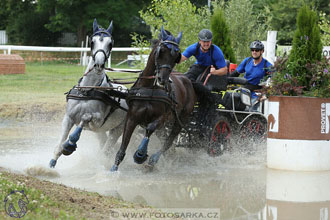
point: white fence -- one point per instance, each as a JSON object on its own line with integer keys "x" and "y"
{"x": 8, "y": 48}
{"x": 325, "y": 50}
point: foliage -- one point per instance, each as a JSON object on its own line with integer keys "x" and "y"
{"x": 306, "y": 47}
{"x": 141, "y": 43}
{"x": 287, "y": 84}
{"x": 324, "y": 25}
{"x": 78, "y": 15}
{"x": 242, "y": 16}
{"x": 21, "y": 27}
{"x": 170, "y": 14}
{"x": 304, "y": 72}
{"x": 284, "y": 13}
{"x": 221, "y": 34}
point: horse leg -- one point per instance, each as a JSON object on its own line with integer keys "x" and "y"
{"x": 66, "y": 127}
{"x": 113, "y": 137}
{"x": 140, "y": 154}
{"x": 71, "y": 144}
{"x": 128, "y": 131}
{"x": 168, "y": 143}
{"x": 102, "y": 138}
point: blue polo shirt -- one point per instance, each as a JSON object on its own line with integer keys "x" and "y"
{"x": 253, "y": 73}
{"x": 204, "y": 59}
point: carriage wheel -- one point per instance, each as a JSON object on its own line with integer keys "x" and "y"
{"x": 253, "y": 131}
{"x": 220, "y": 136}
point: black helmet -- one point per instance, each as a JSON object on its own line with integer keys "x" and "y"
{"x": 257, "y": 44}
{"x": 205, "y": 35}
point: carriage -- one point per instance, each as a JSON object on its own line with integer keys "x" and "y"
{"x": 229, "y": 125}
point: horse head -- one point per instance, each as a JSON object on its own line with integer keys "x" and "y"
{"x": 167, "y": 54}
{"x": 101, "y": 44}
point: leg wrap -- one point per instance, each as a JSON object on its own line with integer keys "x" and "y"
{"x": 141, "y": 153}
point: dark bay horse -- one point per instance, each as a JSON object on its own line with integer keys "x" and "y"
{"x": 157, "y": 97}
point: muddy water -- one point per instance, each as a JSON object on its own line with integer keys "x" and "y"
{"x": 240, "y": 186}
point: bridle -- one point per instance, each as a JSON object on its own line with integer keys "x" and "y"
{"x": 101, "y": 33}
{"x": 174, "y": 48}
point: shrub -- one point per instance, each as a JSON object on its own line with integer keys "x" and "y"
{"x": 305, "y": 71}
{"x": 287, "y": 84}
{"x": 221, "y": 34}
{"x": 306, "y": 46}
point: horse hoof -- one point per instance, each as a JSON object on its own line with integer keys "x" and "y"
{"x": 114, "y": 168}
{"x": 154, "y": 159}
{"x": 149, "y": 168}
{"x": 52, "y": 163}
{"x": 139, "y": 158}
{"x": 68, "y": 148}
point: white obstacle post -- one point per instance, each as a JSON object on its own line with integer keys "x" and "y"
{"x": 270, "y": 46}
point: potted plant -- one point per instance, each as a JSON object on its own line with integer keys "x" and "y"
{"x": 299, "y": 103}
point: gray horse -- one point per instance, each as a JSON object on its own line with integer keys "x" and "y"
{"x": 92, "y": 109}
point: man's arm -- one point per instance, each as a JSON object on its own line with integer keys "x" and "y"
{"x": 220, "y": 72}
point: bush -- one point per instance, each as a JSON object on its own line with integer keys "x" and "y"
{"x": 306, "y": 46}
{"x": 221, "y": 34}
{"x": 289, "y": 85}
{"x": 305, "y": 71}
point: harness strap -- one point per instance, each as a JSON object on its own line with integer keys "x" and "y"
{"x": 92, "y": 94}
{"x": 150, "y": 94}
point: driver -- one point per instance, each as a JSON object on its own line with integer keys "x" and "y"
{"x": 208, "y": 56}
{"x": 256, "y": 68}
{"x": 209, "y": 59}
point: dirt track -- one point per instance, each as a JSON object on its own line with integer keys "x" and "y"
{"x": 32, "y": 111}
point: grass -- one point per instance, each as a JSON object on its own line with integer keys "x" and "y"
{"x": 46, "y": 200}
{"x": 41, "y": 88}
{"x": 43, "y": 83}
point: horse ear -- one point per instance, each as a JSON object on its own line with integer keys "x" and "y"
{"x": 109, "y": 30}
{"x": 95, "y": 26}
{"x": 163, "y": 33}
{"x": 178, "y": 38}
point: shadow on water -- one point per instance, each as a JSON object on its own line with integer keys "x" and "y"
{"x": 238, "y": 184}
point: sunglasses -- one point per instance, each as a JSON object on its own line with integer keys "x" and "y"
{"x": 256, "y": 50}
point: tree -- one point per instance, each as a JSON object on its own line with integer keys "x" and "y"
{"x": 78, "y": 15}
{"x": 4, "y": 14}
{"x": 24, "y": 25}
{"x": 284, "y": 13}
{"x": 221, "y": 34}
{"x": 171, "y": 14}
{"x": 307, "y": 46}
{"x": 244, "y": 25}
{"x": 325, "y": 28}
